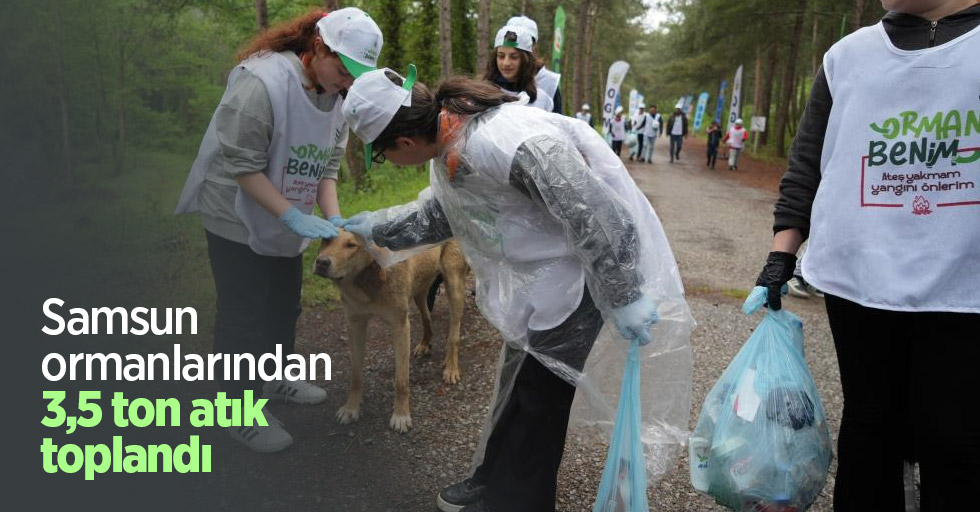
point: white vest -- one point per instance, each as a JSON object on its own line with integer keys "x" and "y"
{"x": 736, "y": 137}
{"x": 651, "y": 127}
{"x": 896, "y": 218}
{"x": 527, "y": 275}
{"x": 303, "y": 141}
{"x": 547, "y": 84}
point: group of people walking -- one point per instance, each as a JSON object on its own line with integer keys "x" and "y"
{"x": 561, "y": 240}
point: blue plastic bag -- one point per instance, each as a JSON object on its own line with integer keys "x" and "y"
{"x": 762, "y": 442}
{"x": 624, "y": 480}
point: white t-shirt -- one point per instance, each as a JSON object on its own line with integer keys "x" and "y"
{"x": 678, "y": 128}
{"x": 618, "y": 128}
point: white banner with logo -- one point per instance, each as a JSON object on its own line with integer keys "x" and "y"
{"x": 736, "y": 105}
{"x": 617, "y": 72}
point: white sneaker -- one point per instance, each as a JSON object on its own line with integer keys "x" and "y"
{"x": 813, "y": 291}
{"x": 268, "y": 439}
{"x": 798, "y": 288}
{"x": 298, "y": 391}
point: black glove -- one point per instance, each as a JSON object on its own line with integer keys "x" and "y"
{"x": 777, "y": 272}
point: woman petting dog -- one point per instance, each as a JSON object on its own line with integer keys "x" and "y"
{"x": 272, "y": 150}
{"x": 559, "y": 238}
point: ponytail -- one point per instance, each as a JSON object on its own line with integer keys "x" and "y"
{"x": 458, "y": 95}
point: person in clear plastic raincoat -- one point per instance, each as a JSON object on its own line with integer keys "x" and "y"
{"x": 560, "y": 240}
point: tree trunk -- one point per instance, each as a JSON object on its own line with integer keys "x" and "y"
{"x": 63, "y": 95}
{"x": 814, "y": 41}
{"x": 757, "y": 78}
{"x": 523, "y": 6}
{"x": 121, "y": 92}
{"x": 578, "y": 45}
{"x": 261, "y": 15}
{"x": 445, "y": 41}
{"x": 355, "y": 162}
{"x": 765, "y": 107}
{"x": 390, "y": 16}
{"x": 592, "y": 21}
{"x": 858, "y": 14}
{"x": 482, "y": 36}
{"x": 331, "y": 5}
{"x": 787, "y": 89}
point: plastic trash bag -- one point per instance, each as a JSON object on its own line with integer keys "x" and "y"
{"x": 631, "y": 140}
{"x": 762, "y": 442}
{"x": 624, "y": 479}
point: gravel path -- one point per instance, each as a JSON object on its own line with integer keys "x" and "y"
{"x": 719, "y": 230}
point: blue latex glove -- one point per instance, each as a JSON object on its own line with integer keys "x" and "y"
{"x": 308, "y": 226}
{"x": 337, "y": 220}
{"x": 362, "y": 224}
{"x": 633, "y": 321}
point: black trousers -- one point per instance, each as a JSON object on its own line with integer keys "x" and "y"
{"x": 257, "y": 307}
{"x": 617, "y": 147}
{"x": 712, "y": 154}
{"x": 639, "y": 146}
{"x": 908, "y": 381}
{"x": 676, "y": 141}
{"x": 525, "y": 448}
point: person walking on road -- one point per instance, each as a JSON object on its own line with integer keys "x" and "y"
{"x": 617, "y": 129}
{"x": 677, "y": 126}
{"x": 735, "y": 138}
{"x": 714, "y": 138}
{"x": 897, "y": 260}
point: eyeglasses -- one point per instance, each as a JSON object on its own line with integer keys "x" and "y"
{"x": 378, "y": 156}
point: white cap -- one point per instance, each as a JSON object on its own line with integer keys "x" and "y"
{"x": 585, "y": 106}
{"x": 352, "y": 33}
{"x": 738, "y": 121}
{"x": 523, "y": 38}
{"x": 641, "y": 106}
{"x": 525, "y": 22}
{"x": 619, "y": 109}
{"x": 372, "y": 101}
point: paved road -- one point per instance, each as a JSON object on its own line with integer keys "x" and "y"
{"x": 719, "y": 230}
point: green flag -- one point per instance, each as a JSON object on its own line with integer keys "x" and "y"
{"x": 559, "y": 39}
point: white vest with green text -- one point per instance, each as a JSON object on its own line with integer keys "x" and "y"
{"x": 896, "y": 219}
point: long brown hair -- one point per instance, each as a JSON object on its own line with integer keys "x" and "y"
{"x": 458, "y": 95}
{"x": 525, "y": 76}
{"x": 296, "y": 35}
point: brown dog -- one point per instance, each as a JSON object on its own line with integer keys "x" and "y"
{"x": 368, "y": 290}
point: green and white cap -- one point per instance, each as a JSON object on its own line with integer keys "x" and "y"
{"x": 372, "y": 101}
{"x": 523, "y": 42}
{"x": 524, "y": 21}
{"x": 352, "y": 34}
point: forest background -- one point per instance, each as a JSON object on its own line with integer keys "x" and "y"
{"x": 104, "y": 102}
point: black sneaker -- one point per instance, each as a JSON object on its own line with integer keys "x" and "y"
{"x": 459, "y": 495}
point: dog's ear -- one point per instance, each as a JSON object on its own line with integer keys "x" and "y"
{"x": 371, "y": 277}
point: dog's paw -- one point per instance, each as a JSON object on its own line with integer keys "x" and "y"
{"x": 420, "y": 350}
{"x": 347, "y": 414}
{"x": 450, "y": 375}
{"x": 400, "y": 422}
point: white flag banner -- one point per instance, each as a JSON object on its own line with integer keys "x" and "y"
{"x": 617, "y": 72}
{"x": 736, "y": 105}
{"x": 634, "y": 101}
